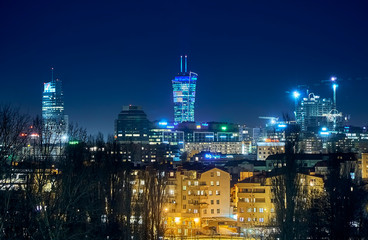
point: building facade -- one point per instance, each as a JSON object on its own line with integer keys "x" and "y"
{"x": 184, "y": 91}
{"x": 55, "y": 121}
{"x": 265, "y": 149}
{"x": 132, "y": 125}
{"x": 313, "y": 112}
{"x": 199, "y": 202}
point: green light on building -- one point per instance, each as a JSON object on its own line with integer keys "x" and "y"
{"x": 73, "y": 142}
{"x": 224, "y": 128}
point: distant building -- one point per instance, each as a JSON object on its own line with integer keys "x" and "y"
{"x": 132, "y": 125}
{"x": 55, "y": 121}
{"x": 265, "y": 149}
{"x": 314, "y": 112}
{"x": 196, "y": 137}
{"x": 184, "y": 91}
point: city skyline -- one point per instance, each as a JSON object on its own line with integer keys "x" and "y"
{"x": 245, "y": 63}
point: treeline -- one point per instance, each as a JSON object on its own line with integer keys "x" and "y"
{"x": 53, "y": 190}
{"x": 334, "y": 208}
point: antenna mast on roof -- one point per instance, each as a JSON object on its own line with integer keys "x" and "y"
{"x": 181, "y": 64}
{"x": 186, "y": 63}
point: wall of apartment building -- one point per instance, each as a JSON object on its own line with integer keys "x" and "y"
{"x": 255, "y": 207}
{"x": 195, "y": 199}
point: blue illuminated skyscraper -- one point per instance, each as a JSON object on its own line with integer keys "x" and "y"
{"x": 55, "y": 121}
{"x": 184, "y": 89}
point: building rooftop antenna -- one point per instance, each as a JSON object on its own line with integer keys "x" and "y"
{"x": 52, "y": 74}
{"x": 181, "y": 63}
{"x": 186, "y": 63}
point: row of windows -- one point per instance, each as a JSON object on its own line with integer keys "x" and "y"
{"x": 252, "y": 190}
{"x": 241, "y": 219}
{"x": 217, "y": 202}
{"x": 253, "y": 200}
{"x": 212, "y": 211}
{"x": 198, "y": 193}
{"x": 218, "y": 174}
{"x": 261, "y": 210}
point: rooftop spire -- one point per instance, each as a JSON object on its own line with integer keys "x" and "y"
{"x": 52, "y": 74}
{"x": 186, "y": 63}
{"x": 181, "y": 63}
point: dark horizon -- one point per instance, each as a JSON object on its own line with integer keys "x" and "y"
{"x": 247, "y": 55}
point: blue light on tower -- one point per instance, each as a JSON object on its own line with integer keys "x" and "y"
{"x": 296, "y": 94}
{"x": 184, "y": 90}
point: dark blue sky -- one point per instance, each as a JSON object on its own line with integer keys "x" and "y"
{"x": 247, "y": 54}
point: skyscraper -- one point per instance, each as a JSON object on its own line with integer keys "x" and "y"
{"x": 55, "y": 121}
{"x": 312, "y": 112}
{"x": 132, "y": 125}
{"x": 184, "y": 89}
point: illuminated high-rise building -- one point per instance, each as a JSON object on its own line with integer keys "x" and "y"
{"x": 55, "y": 121}
{"x": 184, "y": 90}
{"x": 313, "y": 112}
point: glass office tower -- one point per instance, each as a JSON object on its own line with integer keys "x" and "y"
{"x": 55, "y": 121}
{"x": 184, "y": 89}
{"x": 312, "y": 112}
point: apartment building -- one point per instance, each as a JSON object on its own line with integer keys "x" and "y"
{"x": 255, "y": 203}
{"x": 199, "y": 202}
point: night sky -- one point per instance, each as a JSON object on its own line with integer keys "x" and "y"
{"x": 247, "y": 54}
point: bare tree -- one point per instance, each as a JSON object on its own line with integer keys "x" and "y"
{"x": 14, "y": 129}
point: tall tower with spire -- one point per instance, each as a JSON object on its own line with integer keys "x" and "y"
{"x": 184, "y": 90}
{"x": 55, "y": 121}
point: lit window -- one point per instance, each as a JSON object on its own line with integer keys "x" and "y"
{"x": 218, "y": 174}
{"x": 212, "y": 183}
{"x": 184, "y": 188}
{"x": 261, "y": 210}
{"x": 217, "y": 183}
{"x": 261, "y": 220}
{"x": 210, "y": 193}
